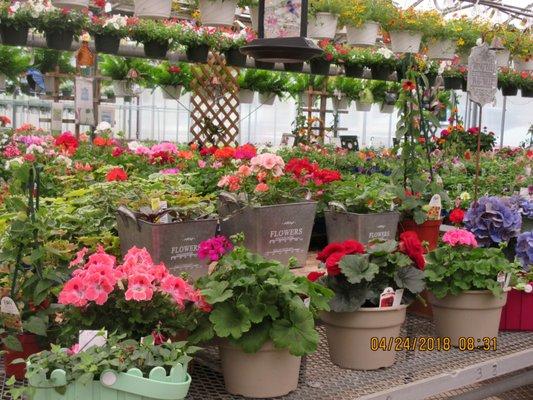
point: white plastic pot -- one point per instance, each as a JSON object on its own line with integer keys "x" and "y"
{"x": 217, "y": 12}
{"x": 340, "y": 103}
{"x": 71, "y": 4}
{"x": 442, "y": 49}
{"x": 405, "y": 41}
{"x": 387, "y": 108}
{"x": 172, "y": 92}
{"x": 2, "y": 82}
{"x": 323, "y": 25}
{"x": 304, "y": 99}
{"x": 267, "y": 98}
{"x": 365, "y": 35}
{"x": 523, "y": 65}
{"x": 246, "y": 96}
{"x": 123, "y": 88}
{"x": 49, "y": 84}
{"x": 154, "y": 9}
{"x": 254, "y": 15}
{"x": 363, "y": 106}
{"x": 502, "y": 58}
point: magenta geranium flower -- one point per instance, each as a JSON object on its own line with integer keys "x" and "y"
{"x": 214, "y": 248}
{"x": 460, "y": 237}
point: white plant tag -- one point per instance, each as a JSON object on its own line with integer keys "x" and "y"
{"x": 10, "y": 314}
{"x": 307, "y": 302}
{"x": 9, "y": 307}
{"x": 88, "y": 339}
{"x": 398, "y": 295}
{"x": 435, "y": 208}
{"x": 386, "y": 299}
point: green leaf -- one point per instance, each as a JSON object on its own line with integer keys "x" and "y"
{"x": 419, "y": 216}
{"x": 255, "y": 338}
{"x": 357, "y": 268}
{"x": 35, "y": 325}
{"x": 297, "y": 333}
{"x": 230, "y": 321}
{"x": 383, "y": 248}
{"x": 410, "y": 278}
{"x": 217, "y": 292}
{"x": 12, "y": 343}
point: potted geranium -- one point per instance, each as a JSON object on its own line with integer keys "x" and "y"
{"x": 508, "y": 81}
{"x": 261, "y": 320}
{"x": 466, "y": 285}
{"x": 372, "y": 287}
{"x": 155, "y": 9}
{"x": 360, "y": 18}
{"x": 383, "y": 63}
{"x": 172, "y": 79}
{"x": 156, "y": 36}
{"x": 198, "y": 41}
{"x": 232, "y": 42}
{"x": 525, "y": 83}
{"x": 454, "y": 77}
{"x": 150, "y": 368}
{"x": 15, "y": 21}
{"x": 356, "y": 61}
{"x": 323, "y": 17}
{"x": 321, "y": 65}
{"x": 107, "y": 32}
{"x": 60, "y": 26}
{"x": 217, "y": 12}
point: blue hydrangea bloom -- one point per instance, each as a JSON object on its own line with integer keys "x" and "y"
{"x": 524, "y": 249}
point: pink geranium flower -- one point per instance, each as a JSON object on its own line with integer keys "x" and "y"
{"x": 460, "y": 237}
{"x": 98, "y": 288}
{"x": 140, "y": 288}
{"x": 80, "y": 255}
{"x": 177, "y": 288}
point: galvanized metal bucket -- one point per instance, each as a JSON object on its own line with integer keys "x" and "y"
{"x": 276, "y": 232}
{"x": 175, "y": 244}
{"x": 364, "y": 228}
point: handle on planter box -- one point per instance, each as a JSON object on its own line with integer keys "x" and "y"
{"x": 158, "y": 386}
{"x": 126, "y": 214}
{"x": 336, "y": 205}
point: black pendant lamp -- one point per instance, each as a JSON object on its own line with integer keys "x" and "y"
{"x": 282, "y": 33}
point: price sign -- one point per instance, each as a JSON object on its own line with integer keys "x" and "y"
{"x": 482, "y": 75}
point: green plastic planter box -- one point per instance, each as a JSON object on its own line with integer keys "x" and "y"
{"x": 113, "y": 385}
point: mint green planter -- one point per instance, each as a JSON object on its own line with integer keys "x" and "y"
{"x": 116, "y": 386}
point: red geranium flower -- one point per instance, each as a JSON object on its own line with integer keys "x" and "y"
{"x": 329, "y": 250}
{"x": 117, "y": 151}
{"x": 174, "y": 69}
{"x": 353, "y": 247}
{"x": 315, "y": 275}
{"x": 101, "y": 141}
{"x": 411, "y": 246}
{"x": 457, "y": 216}
{"x": 67, "y": 142}
{"x": 245, "y": 152}
{"x": 116, "y": 174}
{"x": 225, "y": 153}
{"x": 332, "y": 263}
{"x": 323, "y": 176}
{"x": 408, "y": 85}
{"x": 208, "y": 151}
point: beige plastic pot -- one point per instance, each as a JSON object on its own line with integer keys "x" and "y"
{"x": 246, "y": 96}
{"x": 365, "y": 35}
{"x": 154, "y": 9}
{"x": 217, "y": 12}
{"x": 268, "y": 373}
{"x": 472, "y": 314}
{"x": 363, "y": 106}
{"x": 172, "y": 92}
{"x": 441, "y": 50}
{"x": 322, "y": 26}
{"x": 350, "y": 336}
{"x": 405, "y": 41}
{"x": 71, "y": 4}
{"x": 123, "y": 88}
{"x": 267, "y": 98}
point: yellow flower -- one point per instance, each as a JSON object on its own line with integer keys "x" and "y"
{"x": 460, "y": 42}
{"x": 465, "y": 196}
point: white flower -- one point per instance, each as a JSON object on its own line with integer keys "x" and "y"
{"x": 528, "y": 288}
{"x": 103, "y": 126}
{"x": 32, "y": 148}
{"x": 116, "y": 21}
{"x": 64, "y": 159}
{"x": 133, "y": 146}
{"x": 10, "y": 163}
{"x": 465, "y": 196}
{"x": 479, "y": 42}
{"x": 385, "y": 52}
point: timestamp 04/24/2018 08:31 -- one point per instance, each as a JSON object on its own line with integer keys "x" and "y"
{"x": 430, "y": 343}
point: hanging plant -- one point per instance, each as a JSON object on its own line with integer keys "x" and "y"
{"x": 156, "y": 36}
{"x": 15, "y": 21}
{"x": 61, "y": 26}
{"x": 107, "y": 32}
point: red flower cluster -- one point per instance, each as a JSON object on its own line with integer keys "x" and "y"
{"x": 100, "y": 141}
{"x": 245, "y": 152}
{"x": 4, "y": 120}
{"x": 162, "y": 157}
{"x": 116, "y": 174}
{"x": 225, "y": 153}
{"x": 304, "y": 171}
{"x": 117, "y": 151}
{"x": 457, "y": 216}
{"x": 174, "y": 69}
{"x": 67, "y": 143}
{"x": 315, "y": 275}
{"x": 333, "y": 253}
{"x": 411, "y": 246}
{"x": 208, "y": 151}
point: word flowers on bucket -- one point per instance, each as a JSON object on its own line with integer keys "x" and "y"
{"x": 134, "y": 298}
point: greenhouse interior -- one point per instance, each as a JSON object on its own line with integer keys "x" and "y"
{"x": 290, "y": 199}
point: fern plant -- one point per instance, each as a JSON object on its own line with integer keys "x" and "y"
{"x": 13, "y": 61}
{"x": 122, "y": 68}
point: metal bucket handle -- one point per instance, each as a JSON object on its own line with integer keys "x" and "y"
{"x": 126, "y": 214}
{"x": 231, "y": 198}
{"x": 336, "y": 206}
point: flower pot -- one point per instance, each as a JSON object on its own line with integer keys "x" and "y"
{"x": 453, "y": 83}
{"x": 71, "y": 4}
{"x": 306, "y": 102}
{"x": 405, "y": 41}
{"x": 270, "y": 372}
{"x": 523, "y": 65}
{"x": 276, "y": 232}
{"x": 353, "y": 71}
{"x": 129, "y": 385}
{"x": 198, "y": 54}
{"x": 264, "y": 65}
{"x": 246, "y": 96}
{"x": 267, "y": 99}
{"x": 340, "y": 103}
{"x": 66, "y": 93}
{"x": 293, "y": 67}
{"x": 381, "y": 72}
{"x": 30, "y": 346}
{"x": 49, "y": 84}
{"x": 387, "y": 108}
{"x": 509, "y": 90}
{"x": 319, "y": 66}
{"x": 14, "y": 37}
{"x": 175, "y": 244}
{"x": 502, "y": 58}
{"x": 527, "y": 92}
{"x": 427, "y": 232}
{"x": 350, "y": 336}
{"x": 2, "y": 82}
{"x": 217, "y": 12}
{"x": 364, "y": 228}
{"x": 363, "y": 106}
{"x": 254, "y": 16}
{"x": 323, "y": 25}
{"x": 106, "y": 44}
{"x": 365, "y": 35}
{"x": 172, "y": 92}
{"x": 442, "y": 50}
{"x": 154, "y": 49}
{"x": 59, "y": 40}
{"x": 517, "y": 314}
{"x": 235, "y": 57}
{"x": 154, "y": 9}
{"x": 471, "y": 314}
{"x": 464, "y": 85}
{"x": 123, "y": 88}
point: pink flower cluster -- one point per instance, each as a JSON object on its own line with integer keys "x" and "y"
{"x": 268, "y": 162}
{"x": 95, "y": 280}
{"x": 214, "y": 248}
{"x": 459, "y": 237}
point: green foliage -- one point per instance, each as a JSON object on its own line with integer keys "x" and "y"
{"x": 264, "y": 81}
{"x": 147, "y": 30}
{"x": 57, "y": 21}
{"x": 163, "y": 75}
{"x": 329, "y": 6}
{"x": 46, "y": 60}
{"x": 255, "y": 300}
{"x": 118, "y": 68}
{"x": 13, "y": 62}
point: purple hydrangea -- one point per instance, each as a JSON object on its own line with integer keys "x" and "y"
{"x": 523, "y": 205}
{"x": 493, "y": 220}
{"x": 214, "y": 248}
{"x": 524, "y": 249}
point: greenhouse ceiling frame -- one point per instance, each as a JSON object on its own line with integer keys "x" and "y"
{"x": 512, "y": 11}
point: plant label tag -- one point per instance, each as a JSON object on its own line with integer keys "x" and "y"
{"x": 88, "y": 339}
{"x": 504, "y": 279}
{"x": 155, "y": 203}
{"x": 10, "y": 314}
{"x": 435, "y": 208}
{"x": 307, "y": 302}
{"x": 165, "y": 219}
{"x": 398, "y": 295}
{"x": 386, "y": 299}
{"x": 163, "y": 204}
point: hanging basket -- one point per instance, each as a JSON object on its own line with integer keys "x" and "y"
{"x": 381, "y": 72}
{"x": 267, "y": 99}
{"x": 502, "y": 58}
{"x": 155, "y": 49}
{"x": 49, "y": 84}
{"x": 172, "y": 92}
{"x": 319, "y": 66}
{"x": 106, "y": 44}
{"x": 246, "y": 96}
{"x": 509, "y": 90}
{"x": 2, "y": 82}
{"x": 14, "y": 37}
{"x": 293, "y": 67}
{"x": 523, "y": 65}
{"x": 354, "y": 71}
{"x": 464, "y": 85}
{"x": 387, "y": 108}
{"x": 235, "y": 58}
{"x": 123, "y": 88}
{"x": 323, "y": 25}
{"x": 217, "y": 12}
{"x": 365, "y": 35}
{"x": 340, "y": 103}
{"x": 154, "y": 9}
{"x": 527, "y": 92}
{"x": 59, "y": 40}
{"x": 198, "y": 54}
{"x": 453, "y": 83}
{"x": 363, "y": 106}
{"x": 405, "y": 41}
{"x": 304, "y": 100}
{"x": 442, "y": 50}
{"x": 71, "y": 4}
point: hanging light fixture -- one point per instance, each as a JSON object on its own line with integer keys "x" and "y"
{"x": 282, "y": 33}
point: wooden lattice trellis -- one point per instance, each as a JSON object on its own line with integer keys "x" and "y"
{"x": 215, "y": 102}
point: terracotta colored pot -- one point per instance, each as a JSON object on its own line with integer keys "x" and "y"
{"x": 350, "y": 336}
{"x": 472, "y": 314}
{"x": 30, "y": 346}
{"x": 268, "y": 373}
{"x": 517, "y": 315}
{"x": 428, "y": 231}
